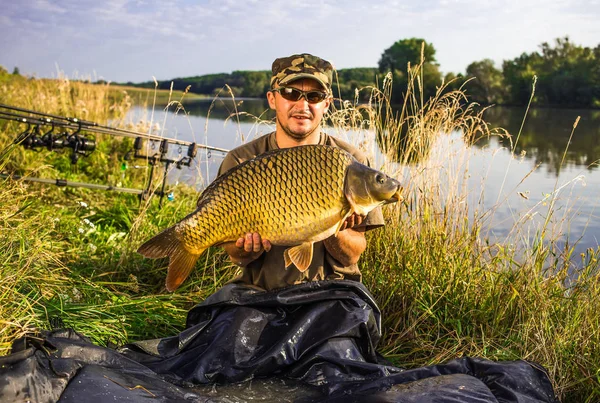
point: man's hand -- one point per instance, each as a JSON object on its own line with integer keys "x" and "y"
{"x": 247, "y": 248}
{"x": 253, "y": 242}
{"x": 350, "y": 241}
{"x": 354, "y": 220}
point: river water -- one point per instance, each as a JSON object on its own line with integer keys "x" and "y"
{"x": 518, "y": 187}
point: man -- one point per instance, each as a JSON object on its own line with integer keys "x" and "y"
{"x": 300, "y": 95}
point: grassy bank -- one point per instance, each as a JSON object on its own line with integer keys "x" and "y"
{"x": 67, "y": 255}
{"x": 162, "y": 97}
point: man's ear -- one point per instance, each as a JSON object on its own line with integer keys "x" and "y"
{"x": 328, "y": 101}
{"x": 271, "y": 99}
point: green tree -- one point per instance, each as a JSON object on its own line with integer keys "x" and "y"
{"x": 397, "y": 58}
{"x": 595, "y": 73}
{"x": 16, "y": 71}
{"x": 405, "y": 51}
{"x": 568, "y": 75}
{"x": 348, "y": 81}
{"x": 565, "y": 74}
{"x": 487, "y": 85}
{"x": 453, "y": 81}
{"x": 518, "y": 76}
{"x": 251, "y": 83}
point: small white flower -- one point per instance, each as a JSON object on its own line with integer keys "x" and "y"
{"x": 83, "y": 204}
{"x": 88, "y": 222}
{"x": 93, "y": 248}
{"x": 76, "y": 294}
{"x": 81, "y": 230}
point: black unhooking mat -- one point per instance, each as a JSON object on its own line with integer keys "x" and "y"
{"x": 313, "y": 342}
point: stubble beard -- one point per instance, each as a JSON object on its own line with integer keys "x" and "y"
{"x": 297, "y": 135}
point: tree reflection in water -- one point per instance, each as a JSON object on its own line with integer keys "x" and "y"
{"x": 546, "y": 133}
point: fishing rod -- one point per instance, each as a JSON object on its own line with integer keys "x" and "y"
{"x": 40, "y": 133}
{"x": 64, "y": 182}
{"x": 74, "y": 123}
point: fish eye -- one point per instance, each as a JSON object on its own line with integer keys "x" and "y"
{"x": 380, "y": 179}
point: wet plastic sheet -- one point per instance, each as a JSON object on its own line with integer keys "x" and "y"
{"x": 312, "y": 342}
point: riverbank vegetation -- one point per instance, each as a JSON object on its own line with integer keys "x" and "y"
{"x": 67, "y": 255}
{"x": 568, "y": 76}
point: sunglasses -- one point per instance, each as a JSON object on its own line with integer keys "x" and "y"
{"x": 294, "y": 94}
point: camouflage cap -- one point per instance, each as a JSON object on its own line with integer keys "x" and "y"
{"x": 292, "y": 68}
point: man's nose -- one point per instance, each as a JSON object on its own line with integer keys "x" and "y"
{"x": 303, "y": 99}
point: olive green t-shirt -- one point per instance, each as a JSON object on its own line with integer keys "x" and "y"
{"x": 268, "y": 271}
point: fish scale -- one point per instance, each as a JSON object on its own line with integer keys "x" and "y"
{"x": 294, "y": 197}
{"x": 256, "y": 199}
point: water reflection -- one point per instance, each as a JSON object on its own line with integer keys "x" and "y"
{"x": 546, "y": 132}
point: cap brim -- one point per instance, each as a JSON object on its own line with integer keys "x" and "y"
{"x": 295, "y": 77}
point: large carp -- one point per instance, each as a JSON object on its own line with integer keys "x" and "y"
{"x": 293, "y": 196}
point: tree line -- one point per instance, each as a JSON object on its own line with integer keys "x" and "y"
{"x": 568, "y": 75}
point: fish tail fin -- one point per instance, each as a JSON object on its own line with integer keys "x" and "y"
{"x": 161, "y": 245}
{"x": 181, "y": 261}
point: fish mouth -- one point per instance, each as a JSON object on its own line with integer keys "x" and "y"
{"x": 396, "y": 197}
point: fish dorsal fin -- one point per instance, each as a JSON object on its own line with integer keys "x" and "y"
{"x": 301, "y": 255}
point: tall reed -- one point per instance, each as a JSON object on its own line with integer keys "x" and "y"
{"x": 446, "y": 288}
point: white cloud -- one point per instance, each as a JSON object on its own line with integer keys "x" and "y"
{"x": 5, "y": 21}
{"x": 46, "y": 6}
{"x": 135, "y": 39}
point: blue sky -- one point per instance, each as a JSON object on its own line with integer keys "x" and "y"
{"x": 134, "y": 40}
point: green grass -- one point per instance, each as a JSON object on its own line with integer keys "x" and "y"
{"x": 67, "y": 256}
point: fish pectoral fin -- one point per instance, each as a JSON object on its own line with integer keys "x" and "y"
{"x": 301, "y": 255}
{"x": 181, "y": 263}
{"x": 345, "y": 214}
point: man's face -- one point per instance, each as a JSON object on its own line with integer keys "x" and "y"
{"x": 299, "y": 119}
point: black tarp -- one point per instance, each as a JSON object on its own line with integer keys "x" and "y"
{"x": 312, "y": 342}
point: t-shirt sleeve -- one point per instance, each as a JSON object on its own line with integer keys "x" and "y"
{"x": 228, "y": 162}
{"x": 373, "y": 220}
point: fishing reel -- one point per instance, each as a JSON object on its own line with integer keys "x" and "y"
{"x": 33, "y": 138}
{"x": 156, "y": 157}
{"x": 162, "y": 154}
